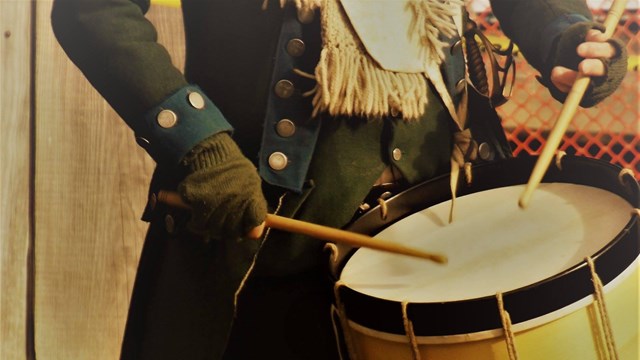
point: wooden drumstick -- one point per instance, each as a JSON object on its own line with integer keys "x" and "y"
{"x": 567, "y": 112}
{"x": 322, "y": 232}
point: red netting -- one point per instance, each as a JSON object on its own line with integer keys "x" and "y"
{"x": 609, "y": 131}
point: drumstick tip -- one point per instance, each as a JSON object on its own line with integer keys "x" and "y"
{"x": 525, "y": 197}
{"x": 440, "y": 259}
{"x": 523, "y": 203}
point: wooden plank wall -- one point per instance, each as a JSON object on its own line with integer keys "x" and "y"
{"x": 90, "y": 181}
{"x": 15, "y": 80}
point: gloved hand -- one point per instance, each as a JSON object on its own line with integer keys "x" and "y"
{"x": 223, "y": 190}
{"x": 583, "y": 46}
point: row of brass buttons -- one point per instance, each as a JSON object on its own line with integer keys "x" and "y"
{"x": 484, "y": 150}
{"x": 284, "y": 89}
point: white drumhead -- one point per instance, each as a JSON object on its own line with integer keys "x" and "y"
{"x": 492, "y": 245}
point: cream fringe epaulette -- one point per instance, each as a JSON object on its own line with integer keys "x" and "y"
{"x": 351, "y": 83}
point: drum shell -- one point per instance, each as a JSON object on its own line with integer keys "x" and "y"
{"x": 577, "y": 335}
{"x": 487, "y": 341}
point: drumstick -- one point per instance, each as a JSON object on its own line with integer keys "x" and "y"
{"x": 321, "y": 232}
{"x": 567, "y": 112}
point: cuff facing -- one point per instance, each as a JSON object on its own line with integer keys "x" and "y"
{"x": 178, "y": 124}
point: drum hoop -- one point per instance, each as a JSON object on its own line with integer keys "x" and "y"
{"x": 551, "y": 294}
{"x": 493, "y": 333}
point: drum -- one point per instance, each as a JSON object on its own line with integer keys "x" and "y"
{"x": 558, "y": 280}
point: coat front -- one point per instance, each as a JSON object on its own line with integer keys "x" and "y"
{"x": 183, "y": 304}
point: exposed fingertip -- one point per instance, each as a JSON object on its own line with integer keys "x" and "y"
{"x": 595, "y": 35}
{"x": 582, "y": 49}
{"x": 256, "y": 232}
{"x": 592, "y": 67}
{"x": 557, "y": 70}
{"x": 585, "y": 67}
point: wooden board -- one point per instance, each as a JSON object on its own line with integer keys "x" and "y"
{"x": 15, "y": 43}
{"x": 91, "y": 182}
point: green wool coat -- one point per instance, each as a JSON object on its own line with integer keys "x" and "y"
{"x": 184, "y": 296}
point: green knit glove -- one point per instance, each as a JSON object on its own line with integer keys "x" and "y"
{"x": 223, "y": 189}
{"x": 563, "y": 53}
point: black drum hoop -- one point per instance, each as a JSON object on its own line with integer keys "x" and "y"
{"x": 523, "y": 304}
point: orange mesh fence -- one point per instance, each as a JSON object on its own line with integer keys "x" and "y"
{"x": 609, "y": 131}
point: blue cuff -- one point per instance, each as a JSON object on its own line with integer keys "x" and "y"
{"x": 178, "y": 124}
{"x": 554, "y": 29}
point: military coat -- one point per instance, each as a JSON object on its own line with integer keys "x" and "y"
{"x": 239, "y": 77}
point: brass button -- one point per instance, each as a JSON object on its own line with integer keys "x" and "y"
{"x": 153, "y": 201}
{"x": 285, "y": 128}
{"x": 486, "y": 152}
{"x": 295, "y": 47}
{"x": 167, "y": 119}
{"x": 284, "y": 89}
{"x": 455, "y": 46}
{"x": 306, "y": 16}
{"x": 142, "y": 141}
{"x": 461, "y": 85}
{"x": 169, "y": 224}
{"x": 396, "y": 154}
{"x": 196, "y": 100}
{"x": 278, "y": 161}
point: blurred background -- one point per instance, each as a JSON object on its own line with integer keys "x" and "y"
{"x": 609, "y": 131}
{"x": 73, "y": 181}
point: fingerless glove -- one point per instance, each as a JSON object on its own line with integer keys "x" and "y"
{"x": 223, "y": 189}
{"x": 563, "y": 53}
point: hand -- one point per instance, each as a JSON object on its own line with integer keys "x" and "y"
{"x": 223, "y": 190}
{"x": 593, "y": 50}
{"x": 583, "y": 47}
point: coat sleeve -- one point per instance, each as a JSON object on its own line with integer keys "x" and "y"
{"x": 536, "y": 24}
{"x": 116, "y": 48}
{"x": 548, "y": 33}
